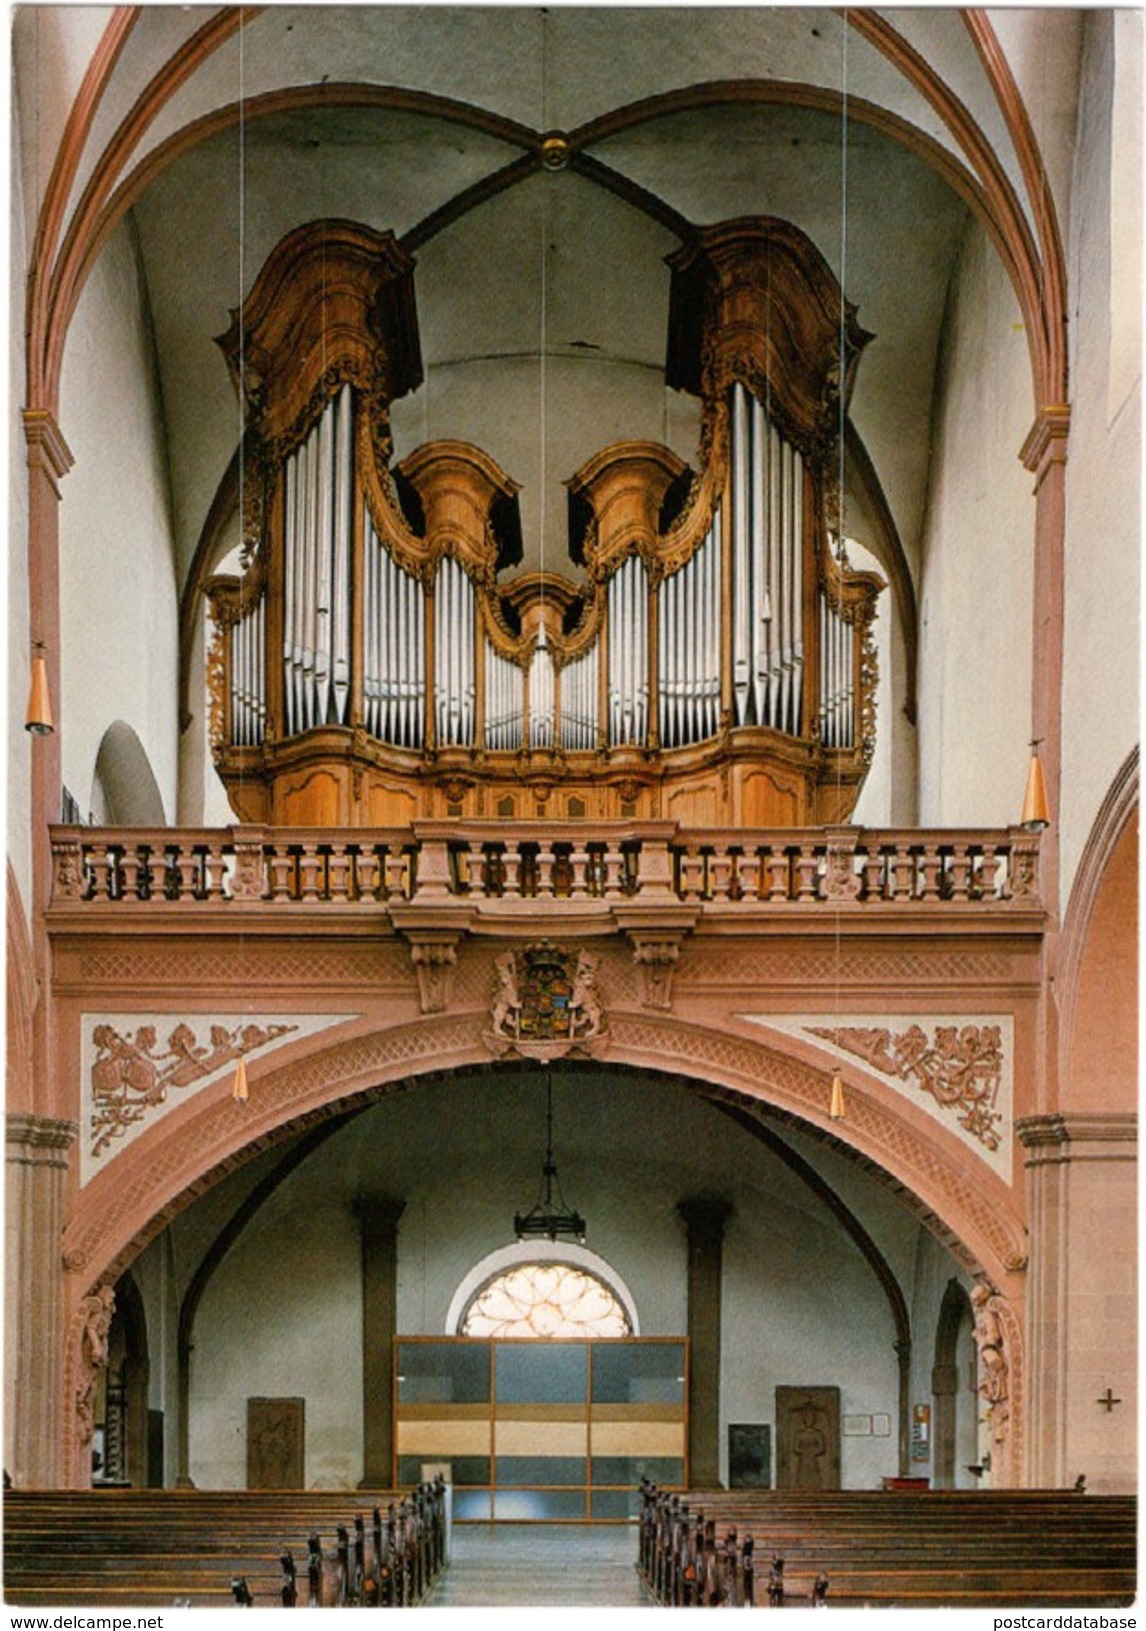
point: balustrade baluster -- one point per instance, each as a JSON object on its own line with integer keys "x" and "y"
{"x": 992, "y": 873}
{"x": 367, "y": 874}
{"x": 545, "y": 860}
{"x": 807, "y": 871}
{"x": 900, "y": 870}
{"x": 578, "y": 873}
{"x": 780, "y": 874}
{"x": 873, "y": 873}
{"x": 929, "y": 868}
{"x": 215, "y": 866}
{"x": 720, "y": 873}
{"x": 102, "y": 865}
{"x": 309, "y": 867}
{"x": 614, "y": 872}
{"x": 746, "y": 875}
{"x": 338, "y": 868}
{"x": 473, "y": 867}
{"x": 282, "y": 874}
{"x": 959, "y": 872}
{"x": 511, "y": 870}
{"x": 397, "y": 875}
{"x": 130, "y": 869}
{"x": 692, "y": 872}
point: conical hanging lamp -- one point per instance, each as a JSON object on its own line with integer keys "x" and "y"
{"x": 38, "y": 719}
{"x": 240, "y": 1092}
{"x": 1036, "y": 807}
{"x": 837, "y": 1108}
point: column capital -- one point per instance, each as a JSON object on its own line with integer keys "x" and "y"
{"x": 378, "y": 1215}
{"x": 35, "y": 1138}
{"x": 705, "y": 1217}
{"x": 1047, "y": 438}
{"x": 1064, "y": 1135}
{"x": 47, "y": 449}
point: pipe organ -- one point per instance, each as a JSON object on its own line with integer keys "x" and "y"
{"x": 376, "y": 660}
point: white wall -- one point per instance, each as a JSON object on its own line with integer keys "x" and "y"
{"x": 1104, "y": 471}
{"x": 975, "y": 589}
{"x": 800, "y": 1304}
{"x": 118, "y": 598}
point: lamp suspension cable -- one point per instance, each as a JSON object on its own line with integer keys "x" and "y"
{"x": 837, "y": 1108}
{"x": 240, "y": 1091}
{"x": 543, "y": 383}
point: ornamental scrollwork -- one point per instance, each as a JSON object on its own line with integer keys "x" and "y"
{"x": 132, "y": 1074}
{"x": 961, "y": 1066}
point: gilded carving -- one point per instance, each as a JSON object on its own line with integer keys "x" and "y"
{"x": 961, "y": 1066}
{"x": 130, "y": 1077}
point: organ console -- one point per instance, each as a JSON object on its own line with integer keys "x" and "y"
{"x": 377, "y": 661}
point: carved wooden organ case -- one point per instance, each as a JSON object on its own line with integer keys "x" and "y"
{"x": 714, "y": 666}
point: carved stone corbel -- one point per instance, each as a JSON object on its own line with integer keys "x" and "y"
{"x": 656, "y": 959}
{"x": 434, "y": 957}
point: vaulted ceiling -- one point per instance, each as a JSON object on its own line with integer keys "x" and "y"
{"x": 542, "y": 293}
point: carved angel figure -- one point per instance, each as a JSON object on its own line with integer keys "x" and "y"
{"x": 990, "y": 1341}
{"x": 97, "y": 1311}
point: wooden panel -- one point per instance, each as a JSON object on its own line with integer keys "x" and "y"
{"x": 436, "y": 1411}
{"x": 542, "y": 1437}
{"x": 276, "y": 1443}
{"x": 638, "y": 1438}
{"x": 541, "y": 1412}
{"x": 440, "y": 1437}
{"x": 638, "y": 1412}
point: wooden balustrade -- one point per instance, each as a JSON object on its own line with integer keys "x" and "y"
{"x": 835, "y": 868}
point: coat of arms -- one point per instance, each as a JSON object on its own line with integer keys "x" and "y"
{"x": 546, "y": 1003}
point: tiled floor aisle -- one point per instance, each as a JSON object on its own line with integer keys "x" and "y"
{"x": 500, "y": 1565}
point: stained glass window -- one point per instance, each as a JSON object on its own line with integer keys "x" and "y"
{"x": 545, "y": 1300}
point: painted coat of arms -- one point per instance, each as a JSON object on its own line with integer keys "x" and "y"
{"x": 546, "y": 1003}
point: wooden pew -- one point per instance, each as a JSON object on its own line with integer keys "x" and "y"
{"x": 1005, "y": 1548}
{"x": 156, "y": 1546}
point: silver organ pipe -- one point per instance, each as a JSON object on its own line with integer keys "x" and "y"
{"x": 542, "y": 699}
{"x": 318, "y": 482}
{"x": 741, "y": 558}
{"x": 454, "y": 670}
{"x": 689, "y": 657}
{"x": 342, "y": 565}
{"x": 579, "y": 702}
{"x": 248, "y": 693}
{"x": 393, "y": 677}
{"x": 504, "y": 702}
{"x": 837, "y": 684}
{"x": 766, "y": 516}
{"x": 628, "y": 606}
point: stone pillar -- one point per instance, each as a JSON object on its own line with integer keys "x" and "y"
{"x": 705, "y": 1220}
{"x": 378, "y": 1217}
{"x": 1081, "y": 1300}
{"x": 37, "y": 1161}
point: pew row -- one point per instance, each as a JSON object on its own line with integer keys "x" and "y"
{"x": 857, "y": 1548}
{"x": 204, "y": 1548}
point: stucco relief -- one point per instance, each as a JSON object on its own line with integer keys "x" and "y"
{"x": 546, "y": 1003}
{"x": 961, "y": 1066}
{"x": 958, "y": 1068}
{"x": 136, "y": 1067}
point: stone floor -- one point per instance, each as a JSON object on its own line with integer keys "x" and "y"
{"x": 502, "y": 1565}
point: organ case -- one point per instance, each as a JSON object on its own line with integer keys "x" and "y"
{"x": 714, "y": 663}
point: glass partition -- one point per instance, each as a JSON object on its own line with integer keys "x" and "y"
{"x": 542, "y": 1431}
